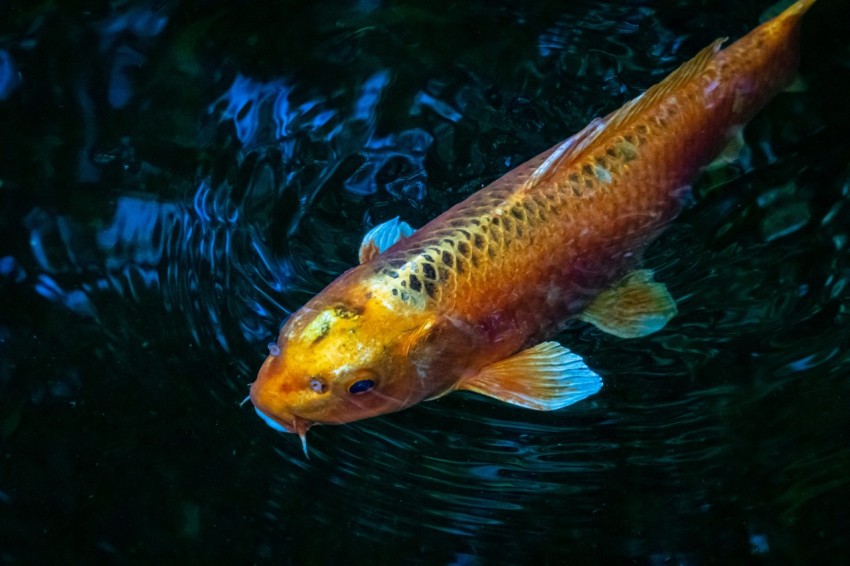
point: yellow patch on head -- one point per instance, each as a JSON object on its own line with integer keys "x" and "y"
{"x": 321, "y": 325}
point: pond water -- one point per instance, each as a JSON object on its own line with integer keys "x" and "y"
{"x": 176, "y": 177}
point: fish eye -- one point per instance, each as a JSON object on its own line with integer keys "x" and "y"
{"x": 361, "y": 386}
{"x": 318, "y": 385}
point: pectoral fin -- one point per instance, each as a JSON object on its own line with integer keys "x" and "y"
{"x": 736, "y": 151}
{"x": 545, "y": 377}
{"x": 634, "y": 307}
{"x": 382, "y": 236}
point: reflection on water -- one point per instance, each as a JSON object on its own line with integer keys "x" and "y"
{"x": 196, "y": 174}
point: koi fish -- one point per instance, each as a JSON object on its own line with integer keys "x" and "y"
{"x": 471, "y": 300}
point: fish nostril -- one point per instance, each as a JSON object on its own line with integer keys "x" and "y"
{"x": 274, "y": 350}
{"x": 318, "y": 385}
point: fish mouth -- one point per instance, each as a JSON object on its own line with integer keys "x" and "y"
{"x": 293, "y": 424}
{"x": 290, "y": 423}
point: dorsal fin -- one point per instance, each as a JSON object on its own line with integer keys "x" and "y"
{"x": 599, "y": 127}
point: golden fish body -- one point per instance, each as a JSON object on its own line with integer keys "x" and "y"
{"x": 464, "y": 302}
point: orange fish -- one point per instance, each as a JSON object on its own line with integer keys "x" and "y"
{"x": 467, "y": 301}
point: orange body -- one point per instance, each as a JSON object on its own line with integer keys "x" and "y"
{"x": 504, "y": 269}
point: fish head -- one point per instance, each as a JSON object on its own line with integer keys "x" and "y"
{"x": 341, "y": 358}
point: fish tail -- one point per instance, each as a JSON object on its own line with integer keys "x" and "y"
{"x": 786, "y": 13}
{"x": 798, "y": 8}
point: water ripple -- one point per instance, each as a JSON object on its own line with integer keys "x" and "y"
{"x": 196, "y": 243}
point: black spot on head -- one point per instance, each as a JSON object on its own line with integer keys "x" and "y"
{"x": 395, "y": 292}
{"x": 429, "y": 257}
{"x": 463, "y": 248}
{"x": 466, "y": 234}
{"x": 415, "y": 283}
{"x": 448, "y": 259}
{"x": 428, "y": 271}
{"x": 444, "y": 273}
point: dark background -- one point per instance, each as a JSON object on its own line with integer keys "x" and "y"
{"x": 175, "y": 177}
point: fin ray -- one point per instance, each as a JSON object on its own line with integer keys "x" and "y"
{"x": 575, "y": 146}
{"x": 381, "y": 237}
{"x": 545, "y": 377}
{"x": 636, "y": 306}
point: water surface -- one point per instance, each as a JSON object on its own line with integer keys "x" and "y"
{"x": 177, "y": 177}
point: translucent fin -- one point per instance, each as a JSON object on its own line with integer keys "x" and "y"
{"x": 634, "y": 307}
{"x": 736, "y": 150}
{"x": 786, "y": 8}
{"x": 798, "y": 85}
{"x": 382, "y": 236}
{"x": 564, "y": 152}
{"x": 576, "y": 145}
{"x": 545, "y": 377}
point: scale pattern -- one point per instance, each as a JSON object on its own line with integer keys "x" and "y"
{"x": 538, "y": 252}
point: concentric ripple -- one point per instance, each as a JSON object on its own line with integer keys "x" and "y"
{"x": 184, "y": 178}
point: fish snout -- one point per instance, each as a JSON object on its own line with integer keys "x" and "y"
{"x": 276, "y": 417}
{"x": 282, "y": 421}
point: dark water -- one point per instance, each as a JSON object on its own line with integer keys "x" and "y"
{"x": 176, "y": 177}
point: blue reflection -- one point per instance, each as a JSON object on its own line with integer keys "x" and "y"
{"x": 120, "y": 89}
{"x": 423, "y": 99}
{"x": 9, "y": 77}
{"x": 141, "y": 22}
{"x": 135, "y": 234}
{"x": 76, "y": 300}
{"x": 401, "y": 158}
{"x": 243, "y": 106}
{"x": 364, "y": 109}
{"x": 7, "y": 265}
